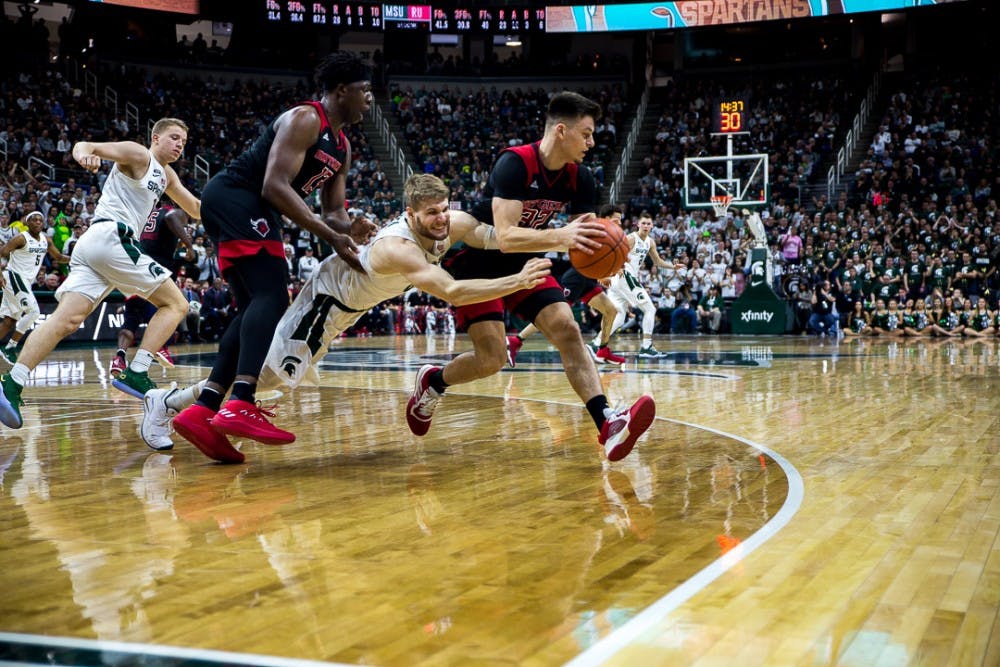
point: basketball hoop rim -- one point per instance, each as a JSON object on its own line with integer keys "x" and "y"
{"x": 720, "y": 204}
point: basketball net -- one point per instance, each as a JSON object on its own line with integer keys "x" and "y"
{"x": 720, "y": 204}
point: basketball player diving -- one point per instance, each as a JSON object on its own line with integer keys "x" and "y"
{"x": 404, "y": 253}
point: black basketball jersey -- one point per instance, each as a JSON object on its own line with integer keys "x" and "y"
{"x": 322, "y": 160}
{"x": 156, "y": 238}
{"x": 518, "y": 174}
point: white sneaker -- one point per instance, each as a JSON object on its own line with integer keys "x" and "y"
{"x": 157, "y": 419}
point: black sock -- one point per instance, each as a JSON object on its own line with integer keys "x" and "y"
{"x": 436, "y": 381}
{"x": 210, "y": 399}
{"x": 595, "y": 407}
{"x": 602, "y": 346}
{"x": 244, "y": 391}
{"x": 120, "y": 353}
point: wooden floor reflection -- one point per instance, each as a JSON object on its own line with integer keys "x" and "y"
{"x": 502, "y": 537}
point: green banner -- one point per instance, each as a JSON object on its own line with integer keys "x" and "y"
{"x": 758, "y": 310}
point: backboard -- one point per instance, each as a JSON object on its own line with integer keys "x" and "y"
{"x": 744, "y": 177}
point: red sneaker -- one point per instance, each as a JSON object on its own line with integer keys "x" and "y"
{"x": 246, "y": 420}
{"x": 623, "y": 428}
{"x": 194, "y": 425}
{"x": 423, "y": 401}
{"x": 164, "y": 358}
{"x": 606, "y": 356}
{"x": 117, "y": 366}
{"x": 513, "y": 347}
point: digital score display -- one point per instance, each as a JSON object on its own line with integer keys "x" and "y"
{"x": 383, "y": 16}
{"x": 358, "y": 16}
{"x": 730, "y": 116}
{"x": 406, "y": 17}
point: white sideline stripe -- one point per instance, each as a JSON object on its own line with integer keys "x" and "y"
{"x": 221, "y": 657}
{"x": 656, "y": 612}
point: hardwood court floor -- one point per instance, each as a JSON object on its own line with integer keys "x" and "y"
{"x": 798, "y": 501}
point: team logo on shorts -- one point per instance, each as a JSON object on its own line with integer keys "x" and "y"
{"x": 290, "y": 364}
{"x": 260, "y": 226}
{"x": 156, "y": 270}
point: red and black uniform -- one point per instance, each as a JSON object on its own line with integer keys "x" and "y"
{"x": 235, "y": 214}
{"x": 157, "y": 239}
{"x": 159, "y": 242}
{"x": 247, "y": 232}
{"x": 519, "y": 174}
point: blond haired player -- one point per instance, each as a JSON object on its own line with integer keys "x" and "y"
{"x": 108, "y": 256}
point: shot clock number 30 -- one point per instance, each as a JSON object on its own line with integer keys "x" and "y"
{"x": 730, "y": 116}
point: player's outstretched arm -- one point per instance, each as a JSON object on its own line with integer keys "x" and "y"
{"x": 131, "y": 157}
{"x": 55, "y": 253}
{"x": 473, "y": 233}
{"x": 396, "y": 255}
{"x": 654, "y": 253}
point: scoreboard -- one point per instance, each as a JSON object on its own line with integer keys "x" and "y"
{"x": 384, "y": 16}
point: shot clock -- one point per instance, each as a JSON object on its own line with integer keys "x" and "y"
{"x": 730, "y": 116}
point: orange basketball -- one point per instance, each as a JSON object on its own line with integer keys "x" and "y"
{"x": 606, "y": 260}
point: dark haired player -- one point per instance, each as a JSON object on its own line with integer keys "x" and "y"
{"x": 527, "y": 186}
{"x": 590, "y": 292}
{"x": 304, "y": 150}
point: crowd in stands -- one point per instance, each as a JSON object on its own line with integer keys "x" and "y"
{"x": 917, "y": 230}
{"x": 917, "y": 224}
{"x": 456, "y": 135}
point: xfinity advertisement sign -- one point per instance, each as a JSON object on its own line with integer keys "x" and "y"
{"x": 758, "y": 310}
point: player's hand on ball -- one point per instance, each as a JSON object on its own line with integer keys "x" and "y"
{"x": 534, "y": 272}
{"x": 580, "y": 235}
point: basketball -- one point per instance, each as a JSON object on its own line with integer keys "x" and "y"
{"x": 606, "y": 260}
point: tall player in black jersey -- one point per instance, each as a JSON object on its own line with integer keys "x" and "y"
{"x": 526, "y": 187}
{"x": 166, "y": 226}
{"x": 302, "y": 151}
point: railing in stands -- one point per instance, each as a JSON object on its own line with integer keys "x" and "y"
{"x": 202, "y": 170}
{"x": 396, "y": 153}
{"x": 132, "y": 116}
{"x": 49, "y": 169}
{"x": 853, "y": 137}
{"x": 90, "y": 84}
{"x": 640, "y": 115}
{"x": 111, "y": 99}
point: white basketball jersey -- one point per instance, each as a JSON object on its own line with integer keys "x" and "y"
{"x": 132, "y": 200}
{"x": 7, "y": 233}
{"x": 24, "y": 261}
{"x": 637, "y": 255}
{"x": 331, "y": 302}
{"x": 360, "y": 291}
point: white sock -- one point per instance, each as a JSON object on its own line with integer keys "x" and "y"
{"x": 647, "y": 342}
{"x": 141, "y": 361}
{"x": 20, "y": 373}
{"x": 182, "y": 398}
